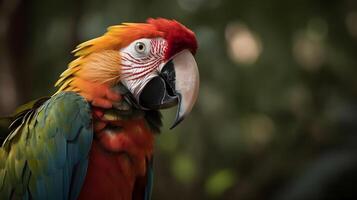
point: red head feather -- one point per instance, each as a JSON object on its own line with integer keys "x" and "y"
{"x": 177, "y": 36}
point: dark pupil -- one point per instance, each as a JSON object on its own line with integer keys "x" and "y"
{"x": 141, "y": 47}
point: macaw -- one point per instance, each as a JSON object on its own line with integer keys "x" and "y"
{"x": 94, "y": 138}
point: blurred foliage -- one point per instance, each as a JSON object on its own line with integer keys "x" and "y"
{"x": 219, "y": 182}
{"x": 276, "y": 116}
{"x": 184, "y": 168}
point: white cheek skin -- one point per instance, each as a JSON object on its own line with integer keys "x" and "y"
{"x": 139, "y": 68}
{"x": 137, "y": 85}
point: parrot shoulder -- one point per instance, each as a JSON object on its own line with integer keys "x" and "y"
{"x": 45, "y": 156}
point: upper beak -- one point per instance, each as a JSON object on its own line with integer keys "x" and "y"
{"x": 177, "y": 83}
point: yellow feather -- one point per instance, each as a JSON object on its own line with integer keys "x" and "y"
{"x": 66, "y": 74}
{"x": 65, "y": 83}
{"x": 115, "y": 28}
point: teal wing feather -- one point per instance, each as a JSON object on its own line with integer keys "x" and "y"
{"x": 46, "y": 154}
{"x": 149, "y": 180}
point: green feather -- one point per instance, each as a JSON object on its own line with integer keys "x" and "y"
{"x": 45, "y": 156}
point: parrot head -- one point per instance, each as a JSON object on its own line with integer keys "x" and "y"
{"x": 153, "y": 60}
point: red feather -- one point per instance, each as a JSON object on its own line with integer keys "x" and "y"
{"x": 118, "y": 160}
{"x": 177, "y": 35}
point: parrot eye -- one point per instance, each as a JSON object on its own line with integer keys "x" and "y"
{"x": 140, "y": 47}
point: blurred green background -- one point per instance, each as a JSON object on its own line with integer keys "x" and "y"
{"x": 277, "y": 112}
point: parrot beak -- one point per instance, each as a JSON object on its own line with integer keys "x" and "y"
{"x": 176, "y": 84}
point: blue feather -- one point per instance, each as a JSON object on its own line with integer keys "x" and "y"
{"x": 150, "y": 179}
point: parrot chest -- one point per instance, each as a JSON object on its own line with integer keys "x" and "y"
{"x": 119, "y": 154}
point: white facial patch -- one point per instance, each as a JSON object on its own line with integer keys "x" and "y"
{"x": 140, "y": 62}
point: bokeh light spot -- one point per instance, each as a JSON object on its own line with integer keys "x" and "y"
{"x": 308, "y": 44}
{"x": 244, "y": 46}
{"x": 299, "y": 98}
{"x": 184, "y": 168}
{"x": 351, "y": 23}
{"x": 219, "y": 182}
{"x": 258, "y": 130}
